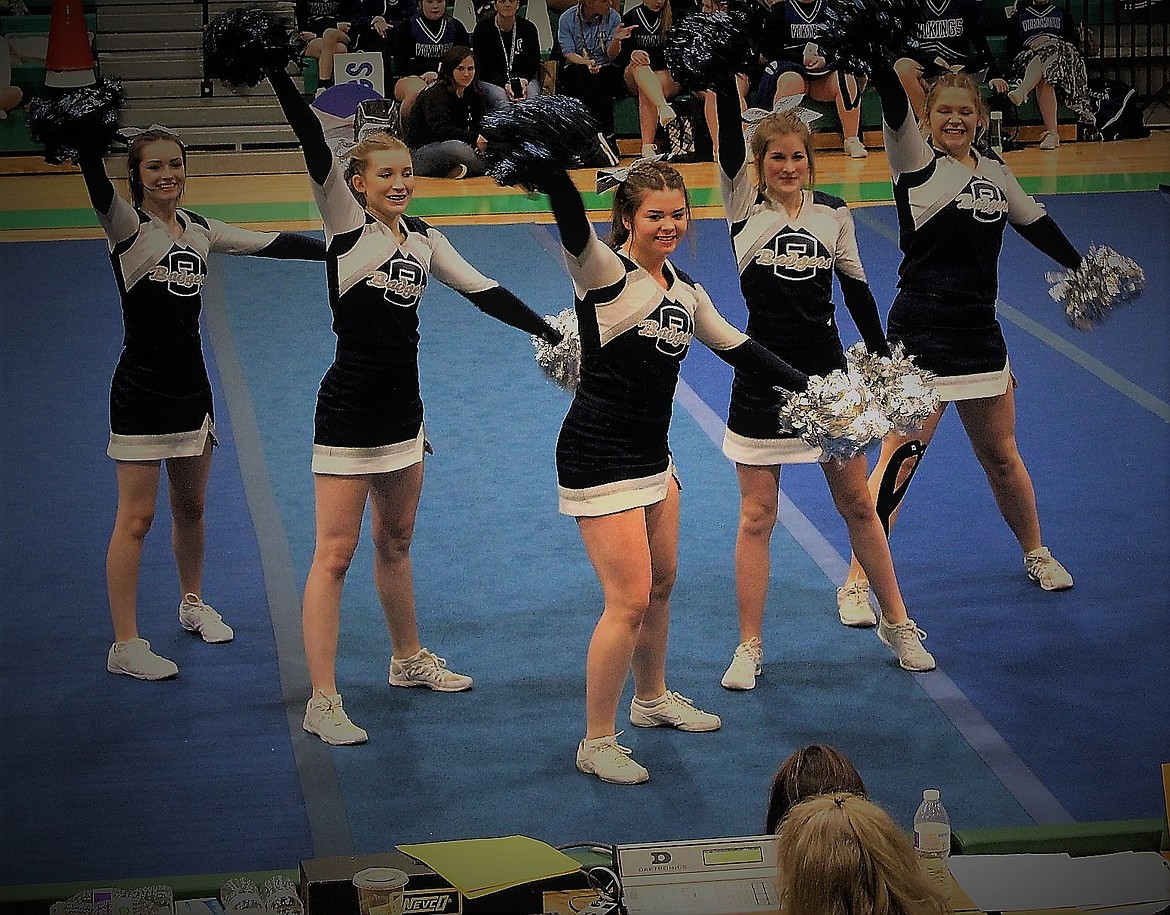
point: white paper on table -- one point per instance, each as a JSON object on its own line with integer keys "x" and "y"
{"x": 1007, "y": 883}
{"x": 1125, "y": 878}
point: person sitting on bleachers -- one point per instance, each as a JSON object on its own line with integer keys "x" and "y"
{"x": 644, "y": 67}
{"x": 507, "y": 50}
{"x": 372, "y": 24}
{"x": 951, "y": 36}
{"x": 10, "y": 95}
{"x": 795, "y": 65}
{"x": 324, "y": 34}
{"x": 840, "y": 853}
{"x": 443, "y": 128}
{"x": 1042, "y": 47}
{"x": 811, "y": 770}
{"x": 590, "y": 37}
{"x": 419, "y": 46}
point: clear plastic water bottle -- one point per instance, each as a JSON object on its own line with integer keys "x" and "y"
{"x": 995, "y": 140}
{"x": 932, "y": 835}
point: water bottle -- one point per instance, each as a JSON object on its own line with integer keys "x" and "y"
{"x": 932, "y": 835}
{"x": 995, "y": 139}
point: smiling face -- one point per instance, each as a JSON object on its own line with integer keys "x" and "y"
{"x": 387, "y": 182}
{"x": 785, "y": 166}
{"x": 953, "y": 120}
{"x": 657, "y": 226}
{"x": 162, "y": 174}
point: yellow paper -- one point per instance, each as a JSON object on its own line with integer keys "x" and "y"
{"x": 477, "y": 867}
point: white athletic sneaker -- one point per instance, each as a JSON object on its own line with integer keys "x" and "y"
{"x": 856, "y": 148}
{"x": 853, "y": 606}
{"x": 427, "y": 669}
{"x": 674, "y": 711}
{"x": 745, "y": 665}
{"x": 610, "y": 761}
{"x": 649, "y": 150}
{"x": 196, "y": 616}
{"x": 1046, "y": 571}
{"x": 905, "y": 641}
{"x": 1050, "y": 140}
{"x": 325, "y": 717}
{"x": 134, "y": 658}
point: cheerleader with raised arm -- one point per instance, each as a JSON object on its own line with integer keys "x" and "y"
{"x": 789, "y": 242}
{"x": 369, "y": 437}
{"x": 953, "y": 205}
{"x": 161, "y": 409}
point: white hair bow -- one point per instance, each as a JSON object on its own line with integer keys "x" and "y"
{"x": 753, "y": 116}
{"x": 126, "y": 134}
{"x": 609, "y": 178}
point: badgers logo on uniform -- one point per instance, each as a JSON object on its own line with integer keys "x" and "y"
{"x": 402, "y": 284}
{"x": 672, "y": 329}
{"x": 984, "y": 199}
{"x": 793, "y": 255}
{"x": 183, "y": 273}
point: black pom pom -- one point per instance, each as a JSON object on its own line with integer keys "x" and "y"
{"x": 241, "y": 45}
{"x": 707, "y": 48}
{"x": 81, "y": 120}
{"x": 863, "y": 34}
{"x": 527, "y": 140}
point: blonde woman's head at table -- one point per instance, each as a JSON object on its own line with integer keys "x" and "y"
{"x": 841, "y": 854}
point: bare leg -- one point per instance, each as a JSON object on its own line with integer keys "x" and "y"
{"x": 340, "y": 501}
{"x": 406, "y": 90}
{"x": 137, "y": 495}
{"x": 759, "y": 489}
{"x": 649, "y": 659}
{"x": 188, "y": 496}
{"x": 334, "y": 41}
{"x": 1046, "y": 102}
{"x": 1033, "y": 73}
{"x": 789, "y": 83}
{"x": 395, "y": 498}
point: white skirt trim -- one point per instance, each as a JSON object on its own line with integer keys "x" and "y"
{"x": 768, "y": 452}
{"x": 162, "y": 447}
{"x": 348, "y": 462}
{"x": 619, "y": 496}
{"x": 973, "y": 387}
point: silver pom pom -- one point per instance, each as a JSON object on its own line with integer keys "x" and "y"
{"x": 1104, "y": 280}
{"x": 837, "y": 414}
{"x": 901, "y": 390}
{"x": 561, "y": 361}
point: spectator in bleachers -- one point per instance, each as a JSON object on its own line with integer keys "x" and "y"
{"x": 951, "y": 37}
{"x": 324, "y": 33}
{"x": 840, "y": 853}
{"x": 507, "y": 50}
{"x": 644, "y": 67}
{"x": 419, "y": 46}
{"x": 807, "y": 772}
{"x": 10, "y": 95}
{"x": 795, "y": 65}
{"x": 372, "y": 24}
{"x": 1042, "y": 46}
{"x": 443, "y": 129}
{"x": 743, "y": 81}
{"x": 590, "y": 37}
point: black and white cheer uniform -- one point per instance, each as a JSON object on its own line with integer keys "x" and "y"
{"x": 951, "y": 221}
{"x": 951, "y": 34}
{"x": 160, "y": 396}
{"x": 786, "y": 268}
{"x": 369, "y": 416}
{"x": 612, "y": 452}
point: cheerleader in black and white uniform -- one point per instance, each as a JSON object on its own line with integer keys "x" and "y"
{"x": 789, "y": 241}
{"x": 160, "y": 398}
{"x": 953, "y": 205}
{"x": 646, "y": 75}
{"x": 637, "y": 315}
{"x": 369, "y": 438}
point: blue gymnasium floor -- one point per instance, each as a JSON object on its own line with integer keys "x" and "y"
{"x": 1045, "y": 707}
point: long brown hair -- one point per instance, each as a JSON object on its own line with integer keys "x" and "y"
{"x": 809, "y": 771}
{"x": 645, "y": 177}
{"x": 134, "y": 158}
{"x": 778, "y": 124}
{"x": 360, "y": 154}
{"x": 840, "y": 854}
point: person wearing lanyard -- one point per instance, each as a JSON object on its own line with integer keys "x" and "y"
{"x": 507, "y": 49}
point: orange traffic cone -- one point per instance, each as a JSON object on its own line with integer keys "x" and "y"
{"x": 69, "y": 61}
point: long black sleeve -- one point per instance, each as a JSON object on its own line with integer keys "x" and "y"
{"x": 568, "y": 209}
{"x": 751, "y": 356}
{"x": 732, "y": 149}
{"x": 895, "y": 104}
{"x": 1046, "y": 236}
{"x": 293, "y": 246}
{"x": 502, "y": 305}
{"x": 863, "y": 309}
{"x": 318, "y": 155}
{"x": 97, "y": 182}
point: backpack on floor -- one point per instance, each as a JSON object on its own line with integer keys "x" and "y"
{"x": 1119, "y": 116}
